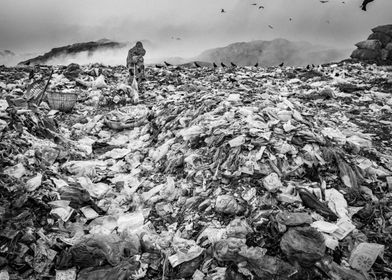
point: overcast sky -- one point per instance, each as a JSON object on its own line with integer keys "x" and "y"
{"x": 39, "y": 25}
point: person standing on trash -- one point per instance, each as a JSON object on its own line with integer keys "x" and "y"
{"x": 135, "y": 63}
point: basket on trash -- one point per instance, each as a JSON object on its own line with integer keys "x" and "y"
{"x": 62, "y": 101}
{"x": 117, "y": 125}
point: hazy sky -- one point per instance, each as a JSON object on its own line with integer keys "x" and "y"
{"x": 39, "y": 25}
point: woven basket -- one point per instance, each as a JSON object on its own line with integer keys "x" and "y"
{"x": 118, "y": 125}
{"x": 62, "y": 101}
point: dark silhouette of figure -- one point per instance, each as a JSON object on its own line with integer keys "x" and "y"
{"x": 135, "y": 63}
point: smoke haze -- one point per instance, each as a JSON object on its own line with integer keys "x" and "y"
{"x": 39, "y": 25}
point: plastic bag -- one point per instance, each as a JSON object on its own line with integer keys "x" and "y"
{"x": 227, "y": 204}
{"x": 69, "y": 274}
{"x": 190, "y": 132}
{"x": 186, "y": 250}
{"x": 272, "y": 182}
{"x": 293, "y": 219}
{"x": 34, "y": 183}
{"x": 303, "y": 245}
{"x": 16, "y": 171}
{"x": 123, "y": 271}
{"x": 97, "y": 250}
{"x": 267, "y": 267}
{"x": 84, "y": 168}
{"x": 228, "y": 249}
{"x": 4, "y": 275}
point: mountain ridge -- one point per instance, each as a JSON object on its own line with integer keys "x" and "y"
{"x": 265, "y": 53}
{"x": 273, "y": 52}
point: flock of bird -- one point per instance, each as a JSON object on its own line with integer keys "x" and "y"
{"x": 197, "y": 65}
{"x": 363, "y": 7}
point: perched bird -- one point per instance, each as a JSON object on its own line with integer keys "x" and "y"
{"x": 222, "y": 64}
{"x": 270, "y": 26}
{"x": 223, "y": 11}
{"x": 257, "y": 64}
{"x": 197, "y": 64}
{"x": 313, "y": 65}
{"x": 280, "y": 65}
{"x": 364, "y": 4}
{"x": 308, "y": 67}
{"x": 158, "y": 66}
{"x": 167, "y": 64}
{"x": 214, "y": 64}
{"x": 231, "y": 79}
{"x": 232, "y": 64}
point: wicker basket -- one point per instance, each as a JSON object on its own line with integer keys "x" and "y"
{"x": 62, "y": 101}
{"x": 118, "y": 125}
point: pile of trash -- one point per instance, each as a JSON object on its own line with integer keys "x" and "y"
{"x": 378, "y": 46}
{"x": 226, "y": 173}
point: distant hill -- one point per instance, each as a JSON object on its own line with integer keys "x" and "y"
{"x": 270, "y": 53}
{"x": 74, "y": 49}
{"x": 266, "y": 53}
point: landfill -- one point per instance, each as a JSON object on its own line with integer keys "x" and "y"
{"x": 199, "y": 173}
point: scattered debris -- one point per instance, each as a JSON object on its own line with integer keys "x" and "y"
{"x": 212, "y": 173}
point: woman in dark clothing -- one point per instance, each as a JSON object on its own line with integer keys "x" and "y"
{"x": 135, "y": 63}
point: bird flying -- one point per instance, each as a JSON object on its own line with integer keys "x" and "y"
{"x": 223, "y": 11}
{"x": 324, "y": 1}
{"x": 261, "y": 7}
{"x": 270, "y": 26}
{"x": 364, "y": 4}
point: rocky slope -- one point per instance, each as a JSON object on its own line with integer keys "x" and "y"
{"x": 377, "y": 48}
